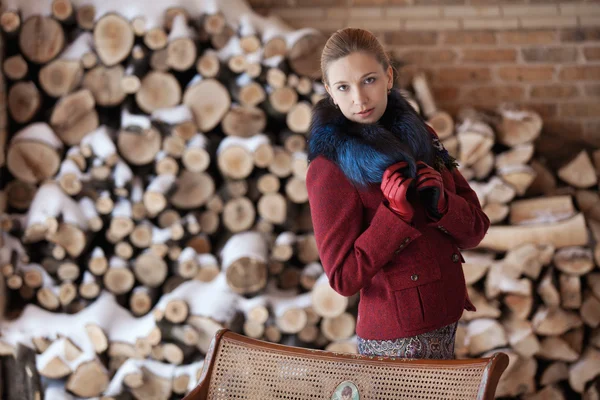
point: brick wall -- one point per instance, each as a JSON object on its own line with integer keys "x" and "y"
{"x": 543, "y": 54}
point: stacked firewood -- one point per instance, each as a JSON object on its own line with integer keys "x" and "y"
{"x": 534, "y": 277}
{"x": 153, "y": 192}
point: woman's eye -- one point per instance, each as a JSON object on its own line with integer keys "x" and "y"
{"x": 342, "y": 88}
{"x": 370, "y": 80}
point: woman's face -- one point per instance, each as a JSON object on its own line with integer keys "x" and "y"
{"x": 358, "y": 84}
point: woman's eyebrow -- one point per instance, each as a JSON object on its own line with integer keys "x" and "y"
{"x": 368, "y": 73}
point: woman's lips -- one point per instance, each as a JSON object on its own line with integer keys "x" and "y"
{"x": 365, "y": 113}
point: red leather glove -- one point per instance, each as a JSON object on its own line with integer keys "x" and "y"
{"x": 394, "y": 186}
{"x": 430, "y": 187}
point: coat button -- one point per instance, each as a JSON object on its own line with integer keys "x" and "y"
{"x": 414, "y": 277}
{"x": 455, "y": 257}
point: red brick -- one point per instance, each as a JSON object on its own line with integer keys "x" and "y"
{"x": 549, "y": 54}
{"x": 580, "y": 73}
{"x": 443, "y": 94}
{"x": 573, "y": 110}
{"x": 358, "y": 3}
{"x": 440, "y": 2}
{"x": 425, "y": 56}
{"x": 580, "y": 34}
{"x": 591, "y": 132}
{"x": 271, "y": 3}
{"x": 518, "y": 73}
{"x": 496, "y": 2}
{"x": 406, "y": 74}
{"x": 592, "y": 90}
{"x": 528, "y": 37}
{"x": 554, "y": 91}
{"x": 462, "y": 75}
{"x": 489, "y": 55}
{"x": 497, "y": 93}
{"x": 469, "y": 37}
{"x": 321, "y": 3}
{"x": 591, "y": 53}
{"x": 405, "y": 38}
{"x": 546, "y": 110}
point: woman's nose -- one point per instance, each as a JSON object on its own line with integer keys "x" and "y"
{"x": 359, "y": 97}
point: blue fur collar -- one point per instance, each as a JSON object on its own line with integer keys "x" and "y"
{"x": 364, "y": 151}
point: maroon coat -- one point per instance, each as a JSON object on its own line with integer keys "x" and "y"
{"x": 410, "y": 277}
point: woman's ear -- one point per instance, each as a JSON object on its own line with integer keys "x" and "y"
{"x": 390, "y": 76}
{"x": 328, "y": 90}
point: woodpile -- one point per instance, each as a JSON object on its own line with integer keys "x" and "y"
{"x": 153, "y": 193}
{"x": 534, "y": 277}
{"x": 156, "y": 163}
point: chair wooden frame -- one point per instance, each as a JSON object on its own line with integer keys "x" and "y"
{"x": 494, "y": 365}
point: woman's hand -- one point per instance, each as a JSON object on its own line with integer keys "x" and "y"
{"x": 394, "y": 186}
{"x": 430, "y": 187}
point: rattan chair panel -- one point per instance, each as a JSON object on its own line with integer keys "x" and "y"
{"x": 243, "y": 371}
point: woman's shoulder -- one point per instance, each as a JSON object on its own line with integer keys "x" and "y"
{"x": 324, "y": 170}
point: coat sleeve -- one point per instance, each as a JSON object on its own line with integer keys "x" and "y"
{"x": 350, "y": 254}
{"x": 465, "y": 221}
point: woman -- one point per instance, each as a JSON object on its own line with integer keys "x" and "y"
{"x": 390, "y": 210}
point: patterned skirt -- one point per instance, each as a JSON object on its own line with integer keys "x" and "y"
{"x": 437, "y": 344}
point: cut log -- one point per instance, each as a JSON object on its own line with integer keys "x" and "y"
{"x": 158, "y": 90}
{"x": 519, "y": 306}
{"x": 552, "y": 322}
{"x": 575, "y": 261}
{"x": 570, "y": 291}
{"x": 74, "y": 116}
{"x": 424, "y": 94}
{"x": 24, "y": 101}
{"x": 521, "y": 337}
{"x": 442, "y": 123}
{"x": 105, "y": 84}
{"x": 338, "y": 328}
{"x": 41, "y": 39}
{"x": 209, "y": 101}
{"x": 484, "y": 335}
{"x": 139, "y": 148}
{"x": 555, "y": 348}
{"x": 325, "y": 301}
{"x": 541, "y": 210}
{"x": 518, "y": 126}
{"x": 245, "y": 262}
{"x": 475, "y": 139}
{"x": 113, "y": 39}
{"x": 10, "y": 21}
{"x": 15, "y": 67}
{"x": 519, "y": 379}
{"x": 519, "y": 177}
{"x": 496, "y": 212}
{"x": 584, "y": 370}
{"x": 556, "y": 372}
{"x": 507, "y": 237}
{"x": 483, "y": 167}
{"x": 33, "y": 153}
{"x": 518, "y": 155}
{"x": 245, "y": 121}
{"x": 579, "y": 172}
{"x": 88, "y": 380}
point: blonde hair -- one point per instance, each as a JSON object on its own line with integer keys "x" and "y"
{"x": 347, "y": 41}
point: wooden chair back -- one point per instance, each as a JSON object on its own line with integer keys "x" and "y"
{"x": 239, "y": 367}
